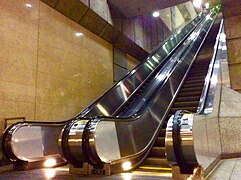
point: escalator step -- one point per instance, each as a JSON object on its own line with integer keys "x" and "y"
{"x": 197, "y": 73}
{"x": 187, "y": 94}
{"x": 190, "y": 98}
{"x": 185, "y": 103}
{"x": 158, "y": 152}
{"x": 192, "y": 85}
{"x": 198, "y": 68}
{"x": 189, "y": 78}
{"x": 194, "y": 81}
{"x": 156, "y": 161}
{"x": 160, "y": 142}
{"x": 192, "y": 109}
{"x": 191, "y": 89}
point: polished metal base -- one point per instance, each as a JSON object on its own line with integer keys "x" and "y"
{"x": 7, "y": 173}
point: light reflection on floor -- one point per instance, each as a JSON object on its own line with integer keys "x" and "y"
{"x": 7, "y": 173}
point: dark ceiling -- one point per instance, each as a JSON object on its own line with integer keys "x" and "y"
{"x": 133, "y": 8}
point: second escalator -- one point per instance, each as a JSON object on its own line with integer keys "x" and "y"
{"x": 187, "y": 99}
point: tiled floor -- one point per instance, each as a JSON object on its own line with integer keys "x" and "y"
{"x": 228, "y": 169}
{"x": 62, "y": 173}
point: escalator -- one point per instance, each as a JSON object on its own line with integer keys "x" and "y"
{"x": 35, "y": 151}
{"x": 188, "y": 99}
{"x": 131, "y": 126}
{"x": 135, "y": 135}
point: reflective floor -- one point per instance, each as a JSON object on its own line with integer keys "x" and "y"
{"x": 227, "y": 169}
{"x": 6, "y": 173}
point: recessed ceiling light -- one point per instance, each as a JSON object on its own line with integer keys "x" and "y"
{"x": 28, "y": 5}
{"x": 78, "y": 34}
{"x": 156, "y": 14}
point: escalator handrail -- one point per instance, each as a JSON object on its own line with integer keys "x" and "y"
{"x": 202, "y": 102}
{"x": 132, "y": 72}
{"x": 127, "y": 119}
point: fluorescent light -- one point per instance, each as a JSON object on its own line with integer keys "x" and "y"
{"x": 197, "y": 3}
{"x": 78, "y": 34}
{"x": 156, "y": 14}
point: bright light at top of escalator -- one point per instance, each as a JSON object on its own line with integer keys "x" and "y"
{"x": 126, "y": 165}
{"x": 156, "y": 14}
{"x": 197, "y": 3}
{"x": 50, "y": 163}
{"x": 206, "y": 5}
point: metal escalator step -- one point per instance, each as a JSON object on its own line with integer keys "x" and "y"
{"x": 156, "y": 161}
{"x": 160, "y": 142}
{"x": 185, "y": 103}
{"x": 192, "y": 109}
{"x": 199, "y": 68}
{"x": 189, "y": 78}
{"x": 191, "y": 89}
{"x": 196, "y": 73}
{"x": 192, "y": 85}
{"x": 158, "y": 152}
{"x": 155, "y": 168}
{"x": 189, "y": 98}
{"x": 186, "y": 94}
{"x": 194, "y": 81}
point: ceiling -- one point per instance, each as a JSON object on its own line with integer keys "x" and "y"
{"x": 139, "y": 7}
{"x": 133, "y": 8}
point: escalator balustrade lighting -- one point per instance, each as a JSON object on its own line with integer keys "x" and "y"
{"x": 50, "y": 163}
{"x": 126, "y": 166}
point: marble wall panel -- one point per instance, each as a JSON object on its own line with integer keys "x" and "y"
{"x": 235, "y": 76}
{"x": 131, "y": 63}
{"x": 232, "y": 27}
{"x": 234, "y": 50}
{"x": 47, "y": 73}
{"x": 69, "y": 67}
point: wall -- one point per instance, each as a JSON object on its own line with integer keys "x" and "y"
{"x": 46, "y": 72}
{"x": 144, "y": 30}
{"x": 123, "y": 63}
{"x": 232, "y": 23}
